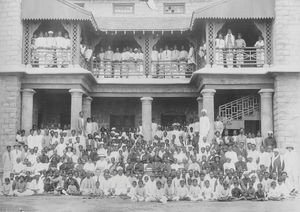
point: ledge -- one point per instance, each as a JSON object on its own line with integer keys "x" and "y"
{"x": 137, "y": 80}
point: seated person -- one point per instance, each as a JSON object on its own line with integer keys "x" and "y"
{"x": 260, "y": 194}
{"x": 7, "y": 188}
{"x": 274, "y": 193}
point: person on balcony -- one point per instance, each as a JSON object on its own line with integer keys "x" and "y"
{"x": 108, "y": 57}
{"x": 59, "y": 49}
{"x": 117, "y": 58}
{"x": 139, "y": 58}
{"x": 240, "y": 44}
{"x": 175, "y": 57}
{"x": 220, "y": 45}
{"x": 154, "y": 59}
{"x": 50, "y": 46}
{"x": 191, "y": 61}
{"x": 100, "y": 63}
{"x": 229, "y": 45}
{"x": 131, "y": 62}
{"x": 125, "y": 59}
{"x": 260, "y": 51}
{"x": 166, "y": 57}
{"x": 160, "y": 63}
{"x": 40, "y": 45}
{"x": 183, "y": 57}
{"x": 202, "y": 53}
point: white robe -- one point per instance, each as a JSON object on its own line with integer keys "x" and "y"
{"x": 204, "y": 126}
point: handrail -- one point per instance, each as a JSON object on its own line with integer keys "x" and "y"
{"x": 45, "y": 57}
{"x": 240, "y": 57}
{"x": 239, "y": 108}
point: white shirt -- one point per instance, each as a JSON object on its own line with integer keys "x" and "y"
{"x": 204, "y": 126}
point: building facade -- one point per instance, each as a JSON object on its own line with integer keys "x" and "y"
{"x": 254, "y": 87}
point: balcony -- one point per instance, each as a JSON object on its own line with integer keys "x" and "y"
{"x": 135, "y": 69}
{"x": 240, "y": 57}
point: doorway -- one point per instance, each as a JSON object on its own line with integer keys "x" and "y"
{"x": 168, "y": 119}
{"x": 122, "y": 121}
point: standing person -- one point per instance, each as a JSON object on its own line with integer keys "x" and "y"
{"x": 166, "y": 57}
{"x": 291, "y": 167}
{"x": 95, "y": 127}
{"x": 240, "y": 45}
{"x": 117, "y": 57}
{"x": 154, "y": 60}
{"x": 204, "y": 125}
{"x": 277, "y": 162}
{"x": 7, "y": 162}
{"x": 219, "y": 126}
{"x": 108, "y": 57}
{"x": 202, "y": 53}
{"x": 60, "y": 41}
{"x": 260, "y": 51}
{"x": 175, "y": 57}
{"x": 183, "y": 57}
{"x": 270, "y": 140}
{"x": 81, "y": 123}
{"x": 50, "y": 45}
{"x": 229, "y": 45}
{"x": 191, "y": 61}
{"x": 40, "y": 45}
{"x": 220, "y": 45}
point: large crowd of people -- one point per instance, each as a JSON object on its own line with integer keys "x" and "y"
{"x": 179, "y": 163}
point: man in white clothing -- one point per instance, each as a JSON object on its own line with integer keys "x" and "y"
{"x": 204, "y": 125}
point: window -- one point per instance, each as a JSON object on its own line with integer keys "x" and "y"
{"x": 123, "y": 8}
{"x": 177, "y": 8}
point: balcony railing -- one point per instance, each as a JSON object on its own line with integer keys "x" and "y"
{"x": 49, "y": 58}
{"x": 240, "y": 57}
{"x": 118, "y": 69}
{"x": 128, "y": 69}
{"x": 171, "y": 69}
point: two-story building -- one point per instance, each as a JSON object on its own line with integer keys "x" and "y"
{"x": 129, "y": 62}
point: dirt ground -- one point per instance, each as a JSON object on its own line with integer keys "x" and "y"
{"x": 73, "y": 204}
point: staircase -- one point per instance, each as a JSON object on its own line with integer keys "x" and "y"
{"x": 240, "y": 108}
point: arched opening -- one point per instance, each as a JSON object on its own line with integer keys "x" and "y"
{"x": 54, "y": 26}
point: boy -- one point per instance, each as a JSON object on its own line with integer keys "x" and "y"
{"x": 170, "y": 191}
{"x": 260, "y": 194}
{"x": 224, "y": 193}
{"x": 236, "y": 192}
{"x": 140, "y": 191}
{"x": 72, "y": 189}
{"x": 97, "y": 192}
{"x": 250, "y": 193}
{"x": 195, "y": 191}
{"x": 132, "y": 192}
{"x": 182, "y": 191}
{"x": 207, "y": 191}
{"x": 7, "y": 188}
{"x": 274, "y": 193}
{"x": 159, "y": 195}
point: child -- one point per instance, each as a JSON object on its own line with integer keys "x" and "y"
{"x": 224, "y": 193}
{"x": 132, "y": 192}
{"x": 72, "y": 189}
{"x": 140, "y": 191}
{"x": 207, "y": 191}
{"x": 97, "y": 192}
{"x": 260, "y": 194}
{"x": 250, "y": 193}
{"x": 195, "y": 191}
{"x": 274, "y": 193}
{"x": 159, "y": 195}
{"x": 236, "y": 192}
{"x": 182, "y": 192}
{"x": 170, "y": 191}
{"x": 7, "y": 188}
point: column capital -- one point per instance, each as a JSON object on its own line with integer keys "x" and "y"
{"x": 199, "y": 99}
{"x": 146, "y": 99}
{"x": 208, "y": 92}
{"x": 266, "y": 90}
{"x": 76, "y": 90}
{"x": 28, "y": 91}
{"x": 88, "y": 98}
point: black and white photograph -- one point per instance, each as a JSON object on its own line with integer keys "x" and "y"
{"x": 149, "y": 105}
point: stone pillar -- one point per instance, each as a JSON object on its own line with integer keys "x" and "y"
{"x": 266, "y": 111}
{"x": 200, "y": 105}
{"x": 76, "y": 106}
{"x": 87, "y": 102}
{"x": 208, "y": 104}
{"x": 27, "y": 109}
{"x": 147, "y": 117}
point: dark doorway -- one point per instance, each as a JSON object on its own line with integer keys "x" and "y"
{"x": 122, "y": 121}
{"x": 168, "y": 120}
{"x": 252, "y": 126}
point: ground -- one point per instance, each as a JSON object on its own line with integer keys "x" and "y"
{"x": 73, "y": 204}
